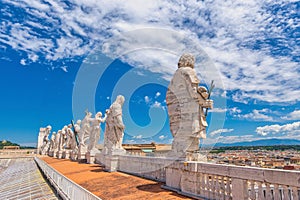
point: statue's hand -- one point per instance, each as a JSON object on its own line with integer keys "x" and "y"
{"x": 207, "y": 104}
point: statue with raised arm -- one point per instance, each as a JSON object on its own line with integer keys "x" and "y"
{"x": 95, "y": 131}
{"x": 186, "y": 101}
{"x": 114, "y": 129}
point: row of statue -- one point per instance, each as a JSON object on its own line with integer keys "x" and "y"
{"x": 187, "y": 104}
{"x": 83, "y": 136}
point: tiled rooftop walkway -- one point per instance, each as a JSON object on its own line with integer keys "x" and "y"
{"x": 113, "y": 185}
{"x": 23, "y": 180}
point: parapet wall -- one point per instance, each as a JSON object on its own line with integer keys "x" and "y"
{"x": 148, "y": 167}
{"x": 216, "y": 181}
{"x": 210, "y": 181}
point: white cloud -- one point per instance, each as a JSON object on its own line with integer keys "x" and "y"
{"x": 138, "y": 137}
{"x": 236, "y": 138}
{"x": 64, "y": 68}
{"x": 295, "y": 115}
{"x": 23, "y": 61}
{"x": 258, "y": 115}
{"x": 219, "y": 131}
{"x": 147, "y": 99}
{"x": 276, "y": 129}
{"x": 218, "y": 110}
{"x": 234, "y": 34}
{"x": 156, "y": 104}
{"x": 157, "y": 94}
{"x": 162, "y": 137}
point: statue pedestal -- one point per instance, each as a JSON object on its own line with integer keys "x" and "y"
{"x": 187, "y": 156}
{"x": 59, "y": 154}
{"x": 73, "y": 156}
{"x": 195, "y": 157}
{"x": 65, "y": 154}
{"x": 111, "y": 163}
{"x": 111, "y": 160}
{"x": 81, "y": 154}
{"x": 51, "y": 153}
{"x": 90, "y": 156}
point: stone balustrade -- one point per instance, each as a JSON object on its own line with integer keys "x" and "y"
{"x": 215, "y": 181}
{"x": 66, "y": 188}
{"x": 207, "y": 180}
{"x": 148, "y": 167}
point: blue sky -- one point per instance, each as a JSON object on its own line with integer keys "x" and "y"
{"x": 58, "y": 58}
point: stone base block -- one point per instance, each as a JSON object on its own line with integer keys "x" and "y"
{"x": 51, "y": 153}
{"x": 73, "y": 156}
{"x": 111, "y": 163}
{"x": 65, "y": 154}
{"x": 59, "y": 154}
{"x": 90, "y": 158}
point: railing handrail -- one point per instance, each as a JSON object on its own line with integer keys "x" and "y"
{"x": 43, "y": 165}
{"x": 273, "y": 176}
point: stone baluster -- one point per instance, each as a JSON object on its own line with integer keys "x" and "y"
{"x": 252, "y": 190}
{"x": 222, "y": 189}
{"x": 286, "y": 193}
{"x": 228, "y": 188}
{"x": 206, "y": 178}
{"x": 268, "y": 192}
{"x": 276, "y": 193}
{"x": 260, "y": 192}
{"x": 295, "y": 193}
{"x": 218, "y": 187}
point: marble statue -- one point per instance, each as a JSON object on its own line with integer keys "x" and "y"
{"x": 85, "y": 130}
{"x": 63, "y": 138}
{"x": 95, "y": 131}
{"x": 46, "y": 141}
{"x": 52, "y": 141}
{"x": 114, "y": 129}
{"x": 57, "y": 141}
{"x": 74, "y": 146}
{"x": 83, "y": 136}
{"x": 40, "y": 139}
{"x": 71, "y": 141}
{"x": 186, "y": 101}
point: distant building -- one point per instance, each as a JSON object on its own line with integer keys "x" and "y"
{"x": 11, "y": 147}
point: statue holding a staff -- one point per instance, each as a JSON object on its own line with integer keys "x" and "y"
{"x": 186, "y": 101}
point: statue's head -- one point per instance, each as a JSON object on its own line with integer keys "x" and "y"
{"x": 49, "y": 127}
{"x": 78, "y": 122}
{"x": 186, "y": 60}
{"x": 120, "y": 99}
{"x": 98, "y": 114}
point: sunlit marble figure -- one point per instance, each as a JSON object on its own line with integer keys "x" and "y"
{"x": 186, "y": 101}
{"x": 95, "y": 131}
{"x": 114, "y": 129}
{"x": 46, "y": 141}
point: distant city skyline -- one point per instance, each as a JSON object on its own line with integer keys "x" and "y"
{"x": 59, "y": 58}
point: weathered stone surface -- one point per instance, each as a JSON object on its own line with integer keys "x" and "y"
{"x": 95, "y": 132}
{"x": 186, "y": 101}
{"x": 43, "y": 140}
{"x": 114, "y": 129}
